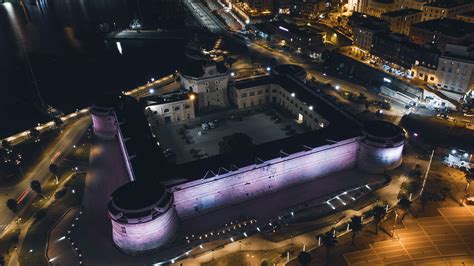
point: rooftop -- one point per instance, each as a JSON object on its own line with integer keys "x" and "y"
{"x": 382, "y": 129}
{"x": 448, "y": 3}
{"x": 367, "y": 22}
{"x": 166, "y": 98}
{"x": 195, "y": 68}
{"x": 449, "y": 27}
{"x": 401, "y": 13}
{"x": 137, "y": 195}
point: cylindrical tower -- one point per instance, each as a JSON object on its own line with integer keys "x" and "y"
{"x": 381, "y": 147}
{"x": 104, "y": 121}
{"x": 292, "y": 70}
{"x": 143, "y": 216}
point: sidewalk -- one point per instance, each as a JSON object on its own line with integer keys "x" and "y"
{"x": 58, "y": 244}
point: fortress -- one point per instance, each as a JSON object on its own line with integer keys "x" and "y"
{"x": 146, "y": 212}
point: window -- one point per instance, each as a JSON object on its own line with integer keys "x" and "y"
{"x": 166, "y": 110}
{"x": 206, "y": 84}
{"x": 217, "y": 82}
{"x": 431, "y": 78}
{"x": 259, "y": 92}
{"x": 252, "y": 93}
{"x": 177, "y": 108}
{"x": 243, "y": 95}
{"x": 186, "y": 106}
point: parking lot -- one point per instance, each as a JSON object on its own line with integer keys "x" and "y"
{"x": 439, "y": 240}
{"x": 189, "y": 141}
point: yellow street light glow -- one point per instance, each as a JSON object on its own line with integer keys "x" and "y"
{"x": 192, "y": 97}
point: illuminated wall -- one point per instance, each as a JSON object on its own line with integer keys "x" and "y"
{"x": 134, "y": 238}
{"x": 375, "y": 159}
{"x": 200, "y": 196}
{"x": 104, "y": 124}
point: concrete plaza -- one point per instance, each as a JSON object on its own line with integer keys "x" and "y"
{"x": 256, "y": 123}
{"x": 441, "y": 240}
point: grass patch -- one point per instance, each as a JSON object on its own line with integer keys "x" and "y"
{"x": 36, "y": 237}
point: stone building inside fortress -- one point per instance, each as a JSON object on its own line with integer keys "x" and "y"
{"x": 146, "y": 214}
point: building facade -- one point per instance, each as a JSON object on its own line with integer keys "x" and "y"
{"x": 455, "y": 73}
{"x": 377, "y": 7}
{"x": 364, "y": 28}
{"x": 400, "y": 21}
{"x": 466, "y": 16}
{"x": 446, "y": 9}
{"x": 440, "y": 32}
{"x": 359, "y": 6}
{"x": 209, "y": 82}
{"x": 415, "y": 4}
{"x": 171, "y": 108}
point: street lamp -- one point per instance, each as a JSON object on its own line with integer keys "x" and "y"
{"x": 151, "y": 90}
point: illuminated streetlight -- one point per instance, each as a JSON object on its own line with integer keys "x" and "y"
{"x": 232, "y": 74}
{"x": 337, "y": 87}
{"x": 192, "y": 97}
{"x": 151, "y": 90}
{"x": 293, "y": 94}
{"x": 268, "y": 68}
{"x": 310, "y": 107}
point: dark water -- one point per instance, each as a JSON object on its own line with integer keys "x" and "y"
{"x": 71, "y": 60}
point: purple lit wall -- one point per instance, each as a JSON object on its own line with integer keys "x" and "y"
{"x": 139, "y": 237}
{"x": 200, "y": 196}
{"x": 104, "y": 126}
{"x": 374, "y": 159}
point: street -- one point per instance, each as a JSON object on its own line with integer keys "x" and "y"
{"x": 40, "y": 171}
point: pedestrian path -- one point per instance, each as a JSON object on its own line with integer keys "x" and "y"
{"x": 439, "y": 240}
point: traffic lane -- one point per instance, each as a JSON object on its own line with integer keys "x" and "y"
{"x": 40, "y": 171}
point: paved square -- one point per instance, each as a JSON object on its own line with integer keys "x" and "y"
{"x": 442, "y": 240}
{"x": 258, "y": 125}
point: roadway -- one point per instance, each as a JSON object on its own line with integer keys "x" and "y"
{"x": 40, "y": 171}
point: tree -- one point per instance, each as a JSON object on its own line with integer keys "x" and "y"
{"x": 58, "y": 122}
{"x": 329, "y": 241}
{"x": 6, "y": 144}
{"x": 304, "y": 258}
{"x": 379, "y": 213}
{"x": 54, "y": 169}
{"x": 404, "y": 205}
{"x": 469, "y": 177}
{"x": 238, "y": 142}
{"x": 444, "y": 192}
{"x": 424, "y": 199}
{"x": 35, "y": 185}
{"x": 230, "y": 61}
{"x": 273, "y": 61}
{"x": 356, "y": 226}
{"x": 34, "y": 133}
{"x": 12, "y": 205}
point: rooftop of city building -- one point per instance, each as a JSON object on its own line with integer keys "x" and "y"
{"x": 448, "y": 3}
{"x": 401, "y": 13}
{"x": 449, "y": 27}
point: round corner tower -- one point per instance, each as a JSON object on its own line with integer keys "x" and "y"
{"x": 381, "y": 146}
{"x": 143, "y": 216}
{"x": 104, "y": 121}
